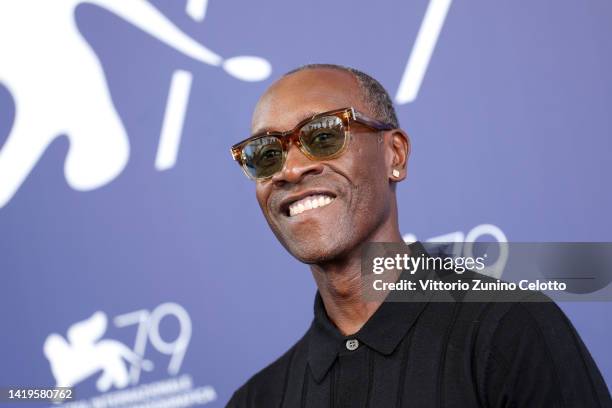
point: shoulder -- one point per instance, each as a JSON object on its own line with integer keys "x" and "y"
{"x": 269, "y": 383}
{"x": 532, "y": 324}
{"x": 535, "y": 317}
{"x": 530, "y": 344}
{"x": 498, "y": 309}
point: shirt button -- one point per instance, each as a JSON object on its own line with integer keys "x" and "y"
{"x": 352, "y": 344}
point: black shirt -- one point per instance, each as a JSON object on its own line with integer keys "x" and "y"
{"x": 428, "y": 354}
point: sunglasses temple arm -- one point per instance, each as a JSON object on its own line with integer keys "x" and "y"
{"x": 373, "y": 123}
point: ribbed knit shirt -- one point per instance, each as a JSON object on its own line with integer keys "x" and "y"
{"x": 435, "y": 354}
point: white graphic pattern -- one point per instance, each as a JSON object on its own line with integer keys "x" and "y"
{"x": 84, "y": 354}
{"x": 59, "y": 88}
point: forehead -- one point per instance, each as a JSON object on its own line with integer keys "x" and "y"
{"x": 303, "y": 94}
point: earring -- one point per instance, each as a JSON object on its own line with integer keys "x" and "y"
{"x": 396, "y": 173}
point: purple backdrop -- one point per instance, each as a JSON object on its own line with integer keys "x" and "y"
{"x": 160, "y": 250}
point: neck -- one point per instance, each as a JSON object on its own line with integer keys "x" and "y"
{"x": 340, "y": 284}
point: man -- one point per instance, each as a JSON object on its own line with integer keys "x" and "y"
{"x": 326, "y": 186}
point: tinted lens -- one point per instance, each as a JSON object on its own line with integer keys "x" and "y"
{"x": 263, "y": 157}
{"x": 323, "y": 137}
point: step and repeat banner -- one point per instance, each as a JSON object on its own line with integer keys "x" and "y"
{"x": 135, "y": 265}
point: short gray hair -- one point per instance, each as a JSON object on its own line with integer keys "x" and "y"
{"x": 374, "y": 94}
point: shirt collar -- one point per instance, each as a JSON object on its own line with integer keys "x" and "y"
{"x": 382, "y": 332}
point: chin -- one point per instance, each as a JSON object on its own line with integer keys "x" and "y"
{"x": 315, "y": 253}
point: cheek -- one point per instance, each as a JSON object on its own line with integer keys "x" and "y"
{"x": 367, "y": 173}
{"x": 366, "y": 164}
{"x": 262, "y": 195}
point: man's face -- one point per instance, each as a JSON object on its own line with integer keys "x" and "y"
{"x": 357, "y": 182}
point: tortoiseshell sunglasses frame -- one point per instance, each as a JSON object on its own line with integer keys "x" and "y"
{"x": 348, "y": 115}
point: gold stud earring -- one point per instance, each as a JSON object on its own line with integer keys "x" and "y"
{"x": 396, "y": 173}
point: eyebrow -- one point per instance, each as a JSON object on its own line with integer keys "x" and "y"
{"x": 302, "y": 118}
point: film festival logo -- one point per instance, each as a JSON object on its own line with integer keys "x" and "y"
{"x": 464, "y": 244}
{"x": 59, "y": 86}
{"x": 85, "y": 353}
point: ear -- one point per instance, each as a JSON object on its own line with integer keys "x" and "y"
{"x": 398, "y": 151}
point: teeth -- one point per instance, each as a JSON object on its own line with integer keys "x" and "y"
{"x": 309, "y": 203}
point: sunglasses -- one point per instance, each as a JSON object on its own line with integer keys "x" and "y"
{"x": 321, "y": 137}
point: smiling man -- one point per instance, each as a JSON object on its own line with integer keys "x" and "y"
{"x": 326, "y": 156}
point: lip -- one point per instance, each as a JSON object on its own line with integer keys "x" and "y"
{"x": 285, "y": 203}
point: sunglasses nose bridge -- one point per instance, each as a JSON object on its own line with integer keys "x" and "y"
{"x": 296, "y": 163}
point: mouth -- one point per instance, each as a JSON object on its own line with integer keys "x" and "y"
{"x": 306, "y": 202}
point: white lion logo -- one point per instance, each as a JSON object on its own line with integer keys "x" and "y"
{"x": 59, "y": 87}
{"x": 84, "y": 354}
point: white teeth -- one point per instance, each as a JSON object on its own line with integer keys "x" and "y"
{"x": 309, "y": 203}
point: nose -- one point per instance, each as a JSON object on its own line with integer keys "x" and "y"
{"x": 297, "y": 166}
